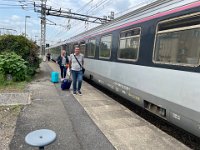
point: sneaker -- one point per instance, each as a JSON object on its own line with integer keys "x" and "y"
{"x": 74, "y": 92}
{"x": 79, "y": 93}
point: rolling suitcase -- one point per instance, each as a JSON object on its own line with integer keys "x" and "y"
{"x": 66, "y": 83}
{"x": 54, "y": 77}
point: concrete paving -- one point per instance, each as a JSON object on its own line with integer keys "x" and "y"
{"x": 14, "y": 99}
{"x": 124, "y": 129}
{"x": 57, "y": 110}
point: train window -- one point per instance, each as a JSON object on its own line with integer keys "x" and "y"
{"x": 178, "y": 41}
{"x": 91, "y": 47}
{"x": 129, "y": 44}
{"x": 82, "y": 48}
{"x": 105, "y": 46}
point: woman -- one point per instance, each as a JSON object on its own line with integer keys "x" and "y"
{"x": 63, "y": 60}
{"x": 76, "y": 61}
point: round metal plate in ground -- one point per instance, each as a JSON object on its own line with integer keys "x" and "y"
{"x": 40, "y": 138}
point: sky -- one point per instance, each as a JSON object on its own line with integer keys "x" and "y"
{"x": 13, "y": 12}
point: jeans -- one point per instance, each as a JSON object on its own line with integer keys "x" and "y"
{"x": 63, "y": 71}
{"x": 77, "y": 76}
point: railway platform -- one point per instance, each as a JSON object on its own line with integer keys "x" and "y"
{"x": 92, "y": 121}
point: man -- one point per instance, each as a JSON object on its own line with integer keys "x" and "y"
{"x": 76, "y": 61}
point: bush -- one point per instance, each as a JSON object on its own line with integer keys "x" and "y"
{"x": 23, "y": 47}
{"x": 11, "y": 63}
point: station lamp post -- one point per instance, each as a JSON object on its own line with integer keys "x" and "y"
{"x": 25, "y": 23}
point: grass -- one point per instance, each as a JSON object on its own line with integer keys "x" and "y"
{"x": 9, "y": 86}
{"x": 15, "y": 109}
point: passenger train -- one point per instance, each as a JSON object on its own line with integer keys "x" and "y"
{"x": 151, "y": 57}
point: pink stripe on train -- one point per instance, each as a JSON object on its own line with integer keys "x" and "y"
{"x": 193, "y": 5}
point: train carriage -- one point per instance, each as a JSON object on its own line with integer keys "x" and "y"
{"x": 150, "y": 57}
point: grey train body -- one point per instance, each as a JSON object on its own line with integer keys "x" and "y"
{"x": 169, "y": 88}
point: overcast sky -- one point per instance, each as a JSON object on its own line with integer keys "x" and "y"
{"x": 13, "y": 12}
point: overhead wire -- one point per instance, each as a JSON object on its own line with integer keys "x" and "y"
{"x": 89, "y": 11}
{"x": 79, "y": 10}
{"x": 133, "y": 7}
{"x": 73, "y": 23}
{"x": 107, "y": 4}
{"x": 16, "y": 4}
{"x": 26, "y": 5}
{"x": 94, "y": 9}
{"x": 76, "y": 24}
{"x": 51, "y": 1}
